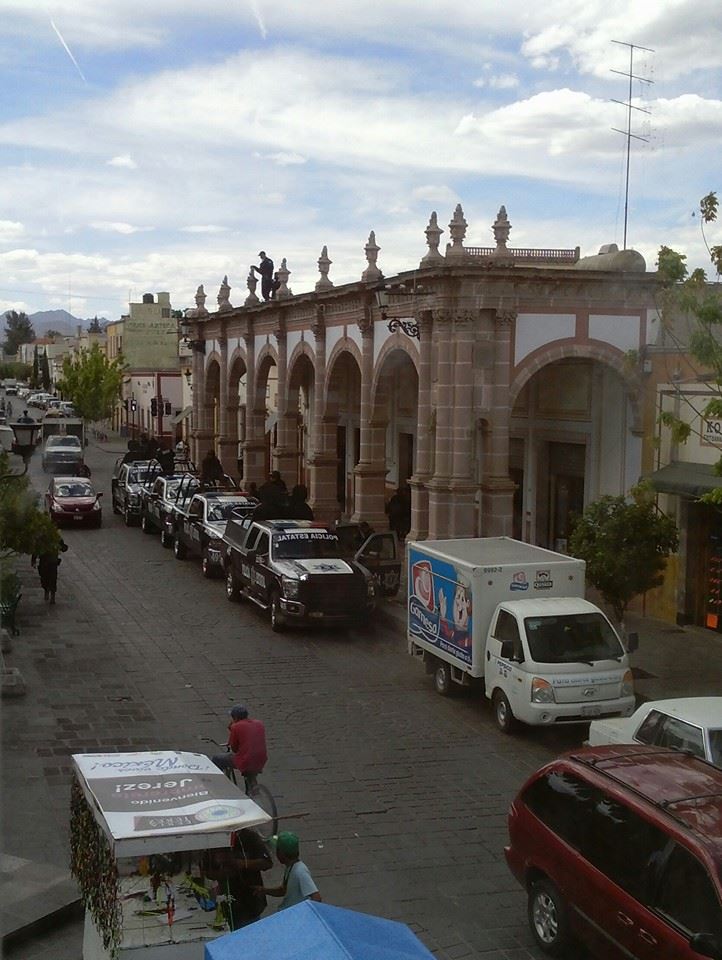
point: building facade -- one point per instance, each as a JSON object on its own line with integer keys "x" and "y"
{"x": 500, "y": 384}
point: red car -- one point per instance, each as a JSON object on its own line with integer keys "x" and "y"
{"x": 620, "y": 849}
{"x": 74, "y": 501}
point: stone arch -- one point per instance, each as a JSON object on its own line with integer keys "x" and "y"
{"x": 341, "y": 419}
{"x": 265, "y": 402}
{"x": 344, "y": 346}
{"x": 237, "y": 371}
{"x": 396, "y": 342}
{"x": 394, "y": 414}
{"x": 300, "y": 400}
{"x": 210, "y": 401}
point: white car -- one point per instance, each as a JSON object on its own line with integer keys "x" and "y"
{"x": 691, "y": 724}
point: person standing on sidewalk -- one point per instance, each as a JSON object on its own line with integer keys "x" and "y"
{"x": 298, "y": 884}
{"x": 47, "y": 564}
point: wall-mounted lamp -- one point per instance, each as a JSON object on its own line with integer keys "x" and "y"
{"x": 383, "y": 298}
{"x": 186, "y": 331}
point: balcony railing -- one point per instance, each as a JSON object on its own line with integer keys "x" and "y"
{"x": 527, "y": 254}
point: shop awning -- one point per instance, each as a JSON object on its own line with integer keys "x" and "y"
{"x": 685, "y": 479}
{"x": 183, "y": 415}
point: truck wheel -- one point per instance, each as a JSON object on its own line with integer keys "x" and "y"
{"x": 548, "y": 921}
{"x": 207, "y": 567}
{"x": 145, "y": 524}
{"x": 179, "y": 550}
{"x": 166, "y": 538}
{"x": 502, "y": 712}
{"x": 232, "y": 592}
{"x": 114, "y": 506}
{"x": 127, "y": 518}
{"x": 278, "y": 623}
{"x": 442, "y": 678}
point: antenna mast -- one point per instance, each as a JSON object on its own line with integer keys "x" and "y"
{"x": 629, "y": 105}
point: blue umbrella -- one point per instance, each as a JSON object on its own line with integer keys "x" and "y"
{"x": 312, "y": 930}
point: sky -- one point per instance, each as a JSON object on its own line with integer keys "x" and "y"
{"x": 152, "y": 145}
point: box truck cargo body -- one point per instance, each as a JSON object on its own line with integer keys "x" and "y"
{"x": 513, "y": 617}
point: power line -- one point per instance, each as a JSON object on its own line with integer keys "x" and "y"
{"x": 630, "y": 106}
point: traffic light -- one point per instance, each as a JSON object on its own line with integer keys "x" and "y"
{"x": 154, "y": 406}
{"x": 167, "y": 408}
{"x": 133, "y": 405}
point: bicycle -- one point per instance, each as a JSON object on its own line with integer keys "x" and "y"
{"x": 258, "y": 792}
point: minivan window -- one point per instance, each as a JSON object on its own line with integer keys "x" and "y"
{"x": 575, "y": 638}
{"x": 686, "y": 895}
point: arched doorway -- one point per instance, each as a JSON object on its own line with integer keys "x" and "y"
{"x": 341, "y": 425}
{"x": 237, "y": 406}
{"x": 265, "y": 409}
{"x": 210, "y": 421}
{"x": 573, "y": 438}
{"x": 296, "y": 437}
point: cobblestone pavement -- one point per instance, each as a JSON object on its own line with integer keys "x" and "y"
{"x": 399, "y": 796}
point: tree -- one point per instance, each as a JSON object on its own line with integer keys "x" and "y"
{"x": 23, "y": 527}
{"x": 625, "y": 543}
{"x": 45, "y": 371}
{"x": 15, "y": 371}
{"x": 35, "y": 375}
{"x": 92, "y": 383}
{"x": 54, "y": 334}
{"x": 18, "y": 329}
{"x": 689, "y": 295}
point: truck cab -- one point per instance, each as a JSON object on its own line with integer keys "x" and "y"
{"x": 296, "y": 570}
{"x": 200, "y": 527}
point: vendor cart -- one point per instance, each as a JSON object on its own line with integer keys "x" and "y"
{"x": 141, "y": 825}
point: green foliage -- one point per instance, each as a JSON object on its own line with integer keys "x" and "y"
{"x": 45, "y": 371}
{"x": 14, "y": 371}
{"x": 54, "y": 334}
{"x": 680, "y": 428}
{"x": 92, "y": 383}
{"x": 35, "y": 375}
{"x": 670, "y": 265}
{"x": 18, "y": 329}
{"x": 625, "y": 543}
{"x": 708, "y": 207}
{"x": 23, "y": 527}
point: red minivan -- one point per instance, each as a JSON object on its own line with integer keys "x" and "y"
{"x": 620, "y": 849}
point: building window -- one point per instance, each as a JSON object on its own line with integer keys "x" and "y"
{"x": 165, "y": 312}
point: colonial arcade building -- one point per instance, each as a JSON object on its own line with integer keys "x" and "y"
{"x": 500, "y": 384}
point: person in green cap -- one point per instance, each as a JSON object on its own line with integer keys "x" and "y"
{"x": 297, "y": 884}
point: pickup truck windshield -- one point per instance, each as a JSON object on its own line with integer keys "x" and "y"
{"x": 62, "y": 441}
{"x": 320, "y": 546}
{"x": 578, "y": 638}
{"x": 221, "y": 510}
{"x": 141, "y": 476}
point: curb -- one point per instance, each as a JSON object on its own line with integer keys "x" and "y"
{"x": 72, "y": 910}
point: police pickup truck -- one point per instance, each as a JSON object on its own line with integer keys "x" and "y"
{"x": 126, "y": 487}
{"x": 199, "y": 527}
{"x": 160, "y": 501}
{"x": 295, "y": 569}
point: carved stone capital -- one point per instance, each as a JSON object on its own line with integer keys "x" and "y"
{"x": 505, "y": 318}
{"x": 365, "y": 322}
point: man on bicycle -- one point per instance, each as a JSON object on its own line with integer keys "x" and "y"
{"x": 246, "y": 745}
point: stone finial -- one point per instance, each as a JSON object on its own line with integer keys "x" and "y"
{"x": 224, "y": 294}
{"x": 502, "y": 229}
{"x": 372, "y": 272}
{"x": 283, "y": 274}
{"x": 323, "y": 266}
{"x": 433, "y": 233}
{"x": 200, "y": 310}
{"x": 251, "y": 283}
{"x": 457, "y": 229}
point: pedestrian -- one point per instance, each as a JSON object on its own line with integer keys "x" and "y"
{"x": 298, "y": 884}
{"x": 47, "y": 564}
{"x": 181, "y": 451}
{"x": 398, "y": 510}
{"x": 133, "y": 452}
{"x": 273, "y": 503}
{"x": 275, "y": 480}
{"x": 298, "y": 508}
{"x": 246, "y": 745}
{"x": 265, "y": 268}
{"x": 238, "y": 873}
{"x": 166, "y": 459}
{"x": 211, "y": 469}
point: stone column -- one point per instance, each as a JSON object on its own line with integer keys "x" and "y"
{"x": 422, "y": 471}
{"x": 497, "y": 488}
{"x": 439, "y": 495}
{"x": 199, "y": 386}
{"x": 370, "y": 471}
{"x": 322, "y": 463}
{"x": 226, "y": 446}
{"x": 253, "y": 445}
{"x": 463, "y": 482}
{"x": 285, "y": 457}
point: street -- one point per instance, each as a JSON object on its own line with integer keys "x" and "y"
{"x": 398, "y": 795}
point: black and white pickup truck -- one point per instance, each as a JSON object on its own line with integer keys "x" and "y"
{"x": 200, "y": 526}
{"x": 296, "y": 570}
{"x": 126, "y": 487}
{"x": 159, "y": 502}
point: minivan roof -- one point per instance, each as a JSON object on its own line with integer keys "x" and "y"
{"x": 685, "y": 787}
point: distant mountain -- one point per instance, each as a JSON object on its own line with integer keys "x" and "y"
{"x": 59, "y": 320}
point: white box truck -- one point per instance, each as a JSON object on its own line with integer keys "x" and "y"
{"x": 513, "y": 616}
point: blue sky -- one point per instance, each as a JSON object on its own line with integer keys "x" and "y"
{"x": 157, "y": 145}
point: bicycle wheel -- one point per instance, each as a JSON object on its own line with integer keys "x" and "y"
{"x": 261, "y": 795}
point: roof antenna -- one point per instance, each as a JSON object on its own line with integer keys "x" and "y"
{"x": 628, "y": 132}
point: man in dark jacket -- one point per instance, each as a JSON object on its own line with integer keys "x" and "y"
{"x": 298, "y": 508}
{"x": 47, "y": 564}
{"x": 265, "y": 268}
{"x": 211, "y": 469}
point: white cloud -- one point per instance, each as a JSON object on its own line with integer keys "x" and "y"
{"x": 498, "y": 81}
{"x": 123, "y": 160}
{"x": 204, "y": 228}
{"x": 434, "y": 193}
{"x": 282, "y": 159}
{"x": 10, "y": 230}
{"x": 108, "y": 226}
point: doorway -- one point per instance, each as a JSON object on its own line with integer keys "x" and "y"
{"x": 566, "y": 491}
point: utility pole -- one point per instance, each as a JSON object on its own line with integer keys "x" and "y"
{"x": 628, "y": 132}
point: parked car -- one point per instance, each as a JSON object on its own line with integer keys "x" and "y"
{"x": 73, "y": 501}
{"x": 39, "y": 400}
{"x": 691, "y": 724}
{"x": 199, "y": 530}
{"x": 620, "y": 849}
{"x": 63, "y": 452}
{"x": 158, "y": 503}
{"x": 296, "y": 570}
{"x": 126, "y": 488}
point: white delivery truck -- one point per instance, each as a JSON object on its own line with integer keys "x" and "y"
{"x": 513, "y": 616}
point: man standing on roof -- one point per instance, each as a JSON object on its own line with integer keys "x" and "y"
{"x": 265, "y": 269}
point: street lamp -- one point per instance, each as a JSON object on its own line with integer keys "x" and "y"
{"x": 383, "y": 298}
{"x": 186, "y": 331}
{"x": 24, "y": 445}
